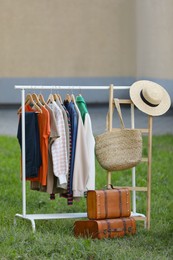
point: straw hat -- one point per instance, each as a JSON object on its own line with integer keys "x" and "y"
{"x": 150, "y": 97}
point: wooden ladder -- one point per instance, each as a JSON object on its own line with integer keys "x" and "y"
{"x": 148, "y": 159}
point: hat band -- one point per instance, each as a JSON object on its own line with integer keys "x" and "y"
{"x": 146, "y": 101}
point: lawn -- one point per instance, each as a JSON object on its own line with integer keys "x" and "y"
{"x": 54, "y": 239}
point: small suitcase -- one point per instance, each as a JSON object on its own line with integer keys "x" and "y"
{"x": 103, "y": 204}
{"x": 107, "y": 228}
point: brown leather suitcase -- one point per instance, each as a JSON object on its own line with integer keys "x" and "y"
{"x": 106, "y": 228}
{"x": 103, "y": 204}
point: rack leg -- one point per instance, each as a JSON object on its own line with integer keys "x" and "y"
{"x": 21, "y": 216}
{"x": 15, "y": 222}
{"x": 133, "y": 169}
{"x": 23, "y": 155}
{"x": 33, "y": 225}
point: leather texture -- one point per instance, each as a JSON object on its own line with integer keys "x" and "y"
{"x": 103, "y": 204}
{"x": 107, "y": 228}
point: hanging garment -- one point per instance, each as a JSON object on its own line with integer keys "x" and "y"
{"x": 44, "y": 132}
{"x": 82, "y": 106}
{"x": 66, "y": 129}
{"x": 90, "y": 140}
{"x": 54, "y": 134}
{"x": 74, "y": 125}
{"x": 65, "y": 117}
{"x": 68, "y": 195}
{"x": 81, "y": 165}
{"x": 32, "y": 141}
{"x": 59, "y": 147}
{"x": 91, "y": 152}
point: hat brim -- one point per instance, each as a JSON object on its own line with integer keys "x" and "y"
{"x": 135, "y": 96}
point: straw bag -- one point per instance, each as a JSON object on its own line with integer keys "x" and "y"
{"x": 119, "y": 149}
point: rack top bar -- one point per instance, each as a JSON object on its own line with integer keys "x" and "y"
{"x": 70, "y": 87}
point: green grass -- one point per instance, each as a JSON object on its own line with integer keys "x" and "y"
{"x": 54, "y": 239}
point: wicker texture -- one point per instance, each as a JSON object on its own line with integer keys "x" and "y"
{"x": 120, "y": 149}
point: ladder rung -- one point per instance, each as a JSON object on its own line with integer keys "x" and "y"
{"x": 124, "y": 101}
{"x": 132, "y": 188}
{"x": 143, "y": 130}
{"x": 144, "y": 160}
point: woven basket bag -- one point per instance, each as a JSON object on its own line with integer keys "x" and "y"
{"x": 119, "y": 149}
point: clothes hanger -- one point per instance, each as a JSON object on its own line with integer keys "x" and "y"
{"x": 60, "y": 99}
{"x": 55, "y": 97}
{"x": 36, "y": 99}
{"x": 43, "y": 102}
{"x": 50, "y": 99}
{"x": 73, "y": 98}
{"x": 80, "y": 93}
{"x": 68, "y": 98}
{"x": 72, "y": 95}
{"x": 41, "y": 99}
{"x": 29, "y": 100}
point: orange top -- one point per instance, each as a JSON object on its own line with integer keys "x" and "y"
{"x": 44, "y": 131}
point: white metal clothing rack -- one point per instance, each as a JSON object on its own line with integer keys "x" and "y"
{"x": 33, "y": 217}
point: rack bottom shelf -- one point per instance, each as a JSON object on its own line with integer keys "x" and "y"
{"x": 139, "y": 217}
{"x": 33, "y": 217}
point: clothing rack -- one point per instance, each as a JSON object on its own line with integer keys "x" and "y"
{"x": 33, "y": 217}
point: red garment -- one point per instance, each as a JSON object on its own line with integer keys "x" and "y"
{"x": 44, "y": 130}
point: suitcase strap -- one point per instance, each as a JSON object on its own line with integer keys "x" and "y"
{"x": 120, "y": 202}
{"x": 106, "y": 204}
{"x": 130, "y": 228}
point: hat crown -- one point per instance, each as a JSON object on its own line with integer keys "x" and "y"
{"x": 153, "y": 94}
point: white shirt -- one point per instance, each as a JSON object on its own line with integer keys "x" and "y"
{"x": 81, "y": 164}
{"x": 91, "y": 152}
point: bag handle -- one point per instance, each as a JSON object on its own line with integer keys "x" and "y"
{"x": 117, "y": 105}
